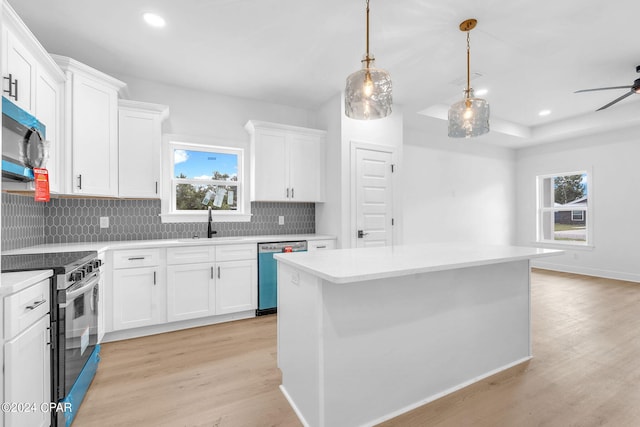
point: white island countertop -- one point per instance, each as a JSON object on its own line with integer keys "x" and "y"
{"x": 358, "y": 264}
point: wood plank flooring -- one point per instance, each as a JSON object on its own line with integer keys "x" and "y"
{"x": 585, "y": 371}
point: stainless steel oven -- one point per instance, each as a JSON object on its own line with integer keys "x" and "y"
{"x": 75, "y": 351}
{"x": 77, "y": 318}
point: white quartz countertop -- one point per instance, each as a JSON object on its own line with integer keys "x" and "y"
{"x": 141, "y": 244}
{"x": 358, "y": 264}
{"x": 13, "y": 282}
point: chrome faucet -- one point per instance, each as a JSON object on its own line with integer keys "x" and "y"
{"x": 210, "y": 232}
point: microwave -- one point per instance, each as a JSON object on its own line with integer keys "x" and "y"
{"x": 23, "y": 143}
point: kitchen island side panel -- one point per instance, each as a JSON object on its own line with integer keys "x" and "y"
{"x": 300, "y": 342}
{"x": 359, "y": 353}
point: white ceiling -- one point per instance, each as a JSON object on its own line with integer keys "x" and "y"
{"x": 532, "y": 54}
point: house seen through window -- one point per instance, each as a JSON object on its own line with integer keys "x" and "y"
{"x": 563, "y": 208}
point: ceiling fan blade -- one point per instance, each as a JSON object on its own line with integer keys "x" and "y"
{"x": 631, "y": 92}
{"x": 603, "y": 88}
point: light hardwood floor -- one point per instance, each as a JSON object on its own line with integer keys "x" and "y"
{"x": 585, "y": 371}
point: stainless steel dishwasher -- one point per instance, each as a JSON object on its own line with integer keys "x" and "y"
{"x": 268, "y": 273}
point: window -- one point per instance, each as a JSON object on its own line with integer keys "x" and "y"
{"x": 201, "y": 177}
{"x": 563, "y": 209}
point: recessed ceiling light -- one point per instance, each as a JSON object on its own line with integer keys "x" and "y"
{"x": 154, "y": 20}
{"x": 481, "y": 92}
{"x": 543, "y": 113}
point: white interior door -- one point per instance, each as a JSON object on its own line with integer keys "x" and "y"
{"x": 374, "y": 198}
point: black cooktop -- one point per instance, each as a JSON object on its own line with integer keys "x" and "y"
{"x": 59, "y": 262}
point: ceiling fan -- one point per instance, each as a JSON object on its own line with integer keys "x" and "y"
{"x": 634, "y": 88}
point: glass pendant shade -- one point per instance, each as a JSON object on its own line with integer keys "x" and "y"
{"x": 368, "y": 93}
{"x": 469, "y": 117}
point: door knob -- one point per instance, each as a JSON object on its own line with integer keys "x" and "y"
{"x": 361, "y": 234}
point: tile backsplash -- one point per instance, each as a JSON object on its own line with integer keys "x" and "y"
{"x": 62, "y": 220}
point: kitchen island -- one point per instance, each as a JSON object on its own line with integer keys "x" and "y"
{"x": 367, "y": 334}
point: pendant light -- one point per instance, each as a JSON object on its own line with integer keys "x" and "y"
{"x": 469, "y": 117}
{"x": 368, "y": 91}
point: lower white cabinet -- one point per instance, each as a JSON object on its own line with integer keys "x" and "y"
{"x": 27, "y": 357}
{"x": 210, "y": 280}
{"x": 154, "y": 286}
{"x": 138, "y": 289}
{"x": 190, "y": 291}
{"x": 236, "y": 286}
{"x": 136, "y": 298}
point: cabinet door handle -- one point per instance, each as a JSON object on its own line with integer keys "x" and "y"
{"x": 80, "y": 182}
{"x": 321, "y": 247}
{"x": 287, "y": 193}
{"x": 156, "y": 187}
{"x": 154, "y": 278}
{"x": 292, "y": 193}
{"x": 218, "y": 272}
{"x": 212, "y": 272}
{"x": 135, "y": 258}
{"x": 35, "y": 304}
{"x": 13, "y": 87}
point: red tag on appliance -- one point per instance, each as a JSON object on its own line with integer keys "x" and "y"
{"x": 287, "y": 249}
{"x": 41, "y": 177}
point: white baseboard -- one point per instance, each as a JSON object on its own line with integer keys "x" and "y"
{"x": 587, "y": 271}
{"x": 175, "y": 326}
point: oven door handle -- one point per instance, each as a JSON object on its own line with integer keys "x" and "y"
{"x": 83, "y": 289}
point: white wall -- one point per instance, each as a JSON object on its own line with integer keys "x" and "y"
{"x": 328, "y": 214}
{"x": 613, "y": 158}
{"x": 457, "y": 190}
{"x": 334, "y": 216}
{"x": 198, "y": 113}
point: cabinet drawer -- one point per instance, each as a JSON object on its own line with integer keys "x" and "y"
{"x": 191, "y": 254}
{"x": 136, "y": 258}
{"x": 236, "y": 252}
{"x": 25, "y": 307}
{"x": 318, "y": 245}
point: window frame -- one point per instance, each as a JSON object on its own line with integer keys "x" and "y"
{"x": 541, "y": 210}
{"x": 169, "y": 214}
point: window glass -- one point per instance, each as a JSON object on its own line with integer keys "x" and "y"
{"x": 563, "y": 208}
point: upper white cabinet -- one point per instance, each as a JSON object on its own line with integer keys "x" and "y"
{"x": 140, "y": 139}
{"x": 18, "y": 72}
{"x": 33, "y": 81}
{"x": 286, "y": 162}
{"x": 49, "y": 106}
{"x": 91, "y": 127}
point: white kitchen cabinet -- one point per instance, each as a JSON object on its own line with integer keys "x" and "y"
{"x": 190, "y": 291}
{"x": 18, "y": 72}
{"x": 286, "y": 162}
{"x": 190, "y": 282}
{"x": 91, "y": 129}
{"x": 236, "y": 286}
{"x": 48, "y": 109}
{"x": 27, "y": 355}
{"x": 318, "y": 245}
{"x": 139, "y": 143}
{"x": 138, "y": 289}
{"x": 236, "y": 278}
{"x": 210, "y": 280}
{"x": 40, "y": 88}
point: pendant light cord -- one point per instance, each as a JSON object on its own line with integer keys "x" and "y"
{"x": 468, "y": 66}
{"x": 367, "y": 57}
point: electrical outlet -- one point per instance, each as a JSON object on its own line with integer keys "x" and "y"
{"x": 281, "y": 220}
{"x": 104, "y": 222}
